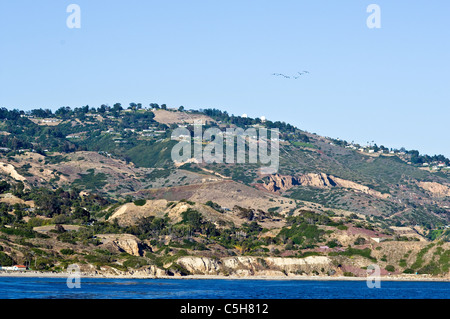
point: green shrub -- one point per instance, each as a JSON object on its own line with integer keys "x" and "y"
{"x": 187, "y": 201}
{"x": 91, "y": 180}
{"x": 67, "y": 237}
{"x": 408, "y": 271}
{"x": 419, "y": 258}
{"x": 301, "y": 233}
{"x": 213, "y": 205}
{"x": 333, "y": 243}
{"x": 273, "y": 209}
{"x": 135, "y": 262}
{"x": 432, "y": 268}
{"x": 140, "y": 202}
{"x": 6, "y": 260}
{"x": 402, "y": 263}
{"x": 349, "y": 274}
{"x": 67, "y": 251}
{"x": 390, "y": 268}
{"x": 309, "y": 253}
{"x": 20, "y": 232}
{"x": 158, "y": 173}
{"x": 353, "y": 251}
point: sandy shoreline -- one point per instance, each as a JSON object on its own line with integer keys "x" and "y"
{"x": 36, "y": 274}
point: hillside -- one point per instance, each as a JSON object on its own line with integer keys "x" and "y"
{"x": 99, "y": 187}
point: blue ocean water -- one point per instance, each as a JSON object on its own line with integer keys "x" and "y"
{"x": 100, "y": 288}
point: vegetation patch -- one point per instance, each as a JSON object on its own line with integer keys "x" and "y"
{"x": 91, "y": 180}
{"x": 140, "y": 202}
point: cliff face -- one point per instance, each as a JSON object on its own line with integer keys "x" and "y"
{"x": 122, "y": 242}
{"x": 277, "y": 182}
{"x": 261, "y": 266}
{"x": 200, "y": 265}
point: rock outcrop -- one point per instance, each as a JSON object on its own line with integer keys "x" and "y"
{"x": 277, "y": 182}
{"x": 122, "y": 242}
{"x": 200, "y": 265}
{"x": 11, "y": 170}
{"x": 151, "y": 271}
{"x": 435, "y": 188}
{"x": 250, "y": 266}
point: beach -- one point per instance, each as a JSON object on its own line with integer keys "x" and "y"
{"x": 38, "y": 274}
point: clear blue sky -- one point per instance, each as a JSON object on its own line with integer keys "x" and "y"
{"x": 389, "y": 85}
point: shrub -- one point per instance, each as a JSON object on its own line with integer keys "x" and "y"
{"x": 361, "y": 252}
{"x": 5, "y": 260}
{"x": 36, "y": 222}
{"x": 432, "y": 268}
{"x": 176, "y": 268}
{"x": 135, "y": 262}
{"x": 390, "y": 268}
{"x": 309, "y": 253}
{"x": 187, "y": 201}
{"x": 419, "y": 259}
{"x": 193, "y": 218}
{"x": 333, "y": 243}
{"x": 214, "y": 205}
{"x": 349, "y": 274}
{"x": 304, "y": 232}
{"x": 67, "y": 238}
{"x": 67, "y": 251}
{"x": 20, "y": 232}
{"x": 91, "y": 180}
{"x": 140, "y": 202}
{"x": 158, "y": 173}
{"x": 360, "y": 241}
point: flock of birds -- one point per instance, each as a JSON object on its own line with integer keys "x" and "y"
{"x": 296, "y": 76}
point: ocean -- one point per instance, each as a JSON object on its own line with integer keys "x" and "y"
{"x": 107, "y": 288}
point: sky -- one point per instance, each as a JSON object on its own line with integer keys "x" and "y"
{"x": 389, "y": 85}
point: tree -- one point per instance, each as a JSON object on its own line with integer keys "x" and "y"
{"x": 4, "y": 187}
{"x": 192, "y": 218}
{"x": 415, "y": 157}
{"x": 81, "y": 213}
{"x": 102, "y": 109}
{"x": 116, "y": 109}
{"x": 6, "y": 260}
{"x": 181, "y": 108}
{"x": 64, "y": 112}
{"x": 18, "y": 191}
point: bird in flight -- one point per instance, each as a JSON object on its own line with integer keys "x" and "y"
{"x": 293, "y": 76}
